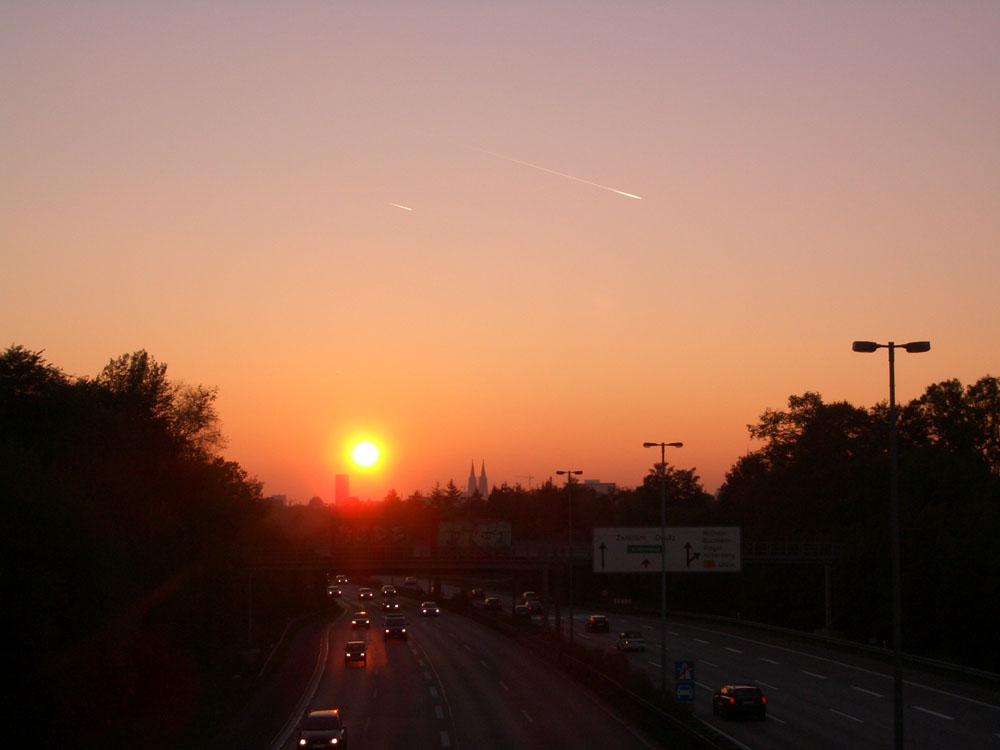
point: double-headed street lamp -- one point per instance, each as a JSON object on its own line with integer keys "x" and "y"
{"x": 914, "y": 347}
{"x": 663, "y": 557}
{"x": 569, "y": 551}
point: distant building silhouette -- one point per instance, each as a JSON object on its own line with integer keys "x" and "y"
{"x": 601, "y": 488}
{"x": 480, "y": 485}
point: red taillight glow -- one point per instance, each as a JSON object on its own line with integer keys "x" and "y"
{"x": 732, "y": 700}
{"x": 763, "y": 699}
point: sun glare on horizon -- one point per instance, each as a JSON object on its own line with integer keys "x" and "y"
{"x": 365, "y": 454}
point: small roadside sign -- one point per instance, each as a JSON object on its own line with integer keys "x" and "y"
{"x": 684, "y": 681}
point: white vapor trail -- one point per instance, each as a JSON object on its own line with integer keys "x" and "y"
{"x": 405, "y": 208}
{"x": 560, "y": 174}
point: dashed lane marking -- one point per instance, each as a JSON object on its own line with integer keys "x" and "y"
{"x": 847, "y": 716}
{"x": 933, "y": 713}
{"x": 813, "y": 674}
{"x": 866, "y": 691}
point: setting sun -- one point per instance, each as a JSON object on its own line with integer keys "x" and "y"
{"x": 365, "y": 454}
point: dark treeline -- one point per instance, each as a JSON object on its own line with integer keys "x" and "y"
{"x": 125, "y": 536}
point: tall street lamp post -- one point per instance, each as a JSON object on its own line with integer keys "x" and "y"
{"x": 663, "y": 557}
{"x": 914, "y": 347}
{"x": 569, "y": 496}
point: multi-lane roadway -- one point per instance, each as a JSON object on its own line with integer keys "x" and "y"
{"x": 451, "y": 684}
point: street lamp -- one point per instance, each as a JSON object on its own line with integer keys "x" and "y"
{"x": 569, "y": 496}
{"x": 914, "y": 347}
{"x": 663, "y": 557}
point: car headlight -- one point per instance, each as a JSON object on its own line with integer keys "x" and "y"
{"x": 303, "y": 741}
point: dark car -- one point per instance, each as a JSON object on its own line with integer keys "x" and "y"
{"x": 322, "y": 729}
{"x": 522, "y": 612}
{"x": 429, "y": 609}
{"x": 360, "y": 621}
{"x": 477, "y": 594}
{"x": 366, "y": 593}
{"x": 390, "y": 605}
{"x": 535, "y": 607}
{"x": 739, "y": 700}
{"x": 596, "y": 624}
{"x": 395, "y": 627}
{"x": 334, "y": 591}
{"x": 356, "y": 651}
{"x": 492, "y": 602}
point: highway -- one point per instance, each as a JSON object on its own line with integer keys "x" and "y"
{"x": 452, "y": 684}
{"x": 817, "y": 696}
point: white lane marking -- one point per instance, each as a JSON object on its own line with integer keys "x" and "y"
{"x": 671, "y": 632}
{"x": 374, "y": 693}
{"x": 445, "y": 739}
{"x": 467, "y": 647}
{"x": 775, "y": 718}
{"x": 485, "y": 665}
{"x": 699, "y": 640}
{"x": 420, "y": 662}
{"x": 846, "y": 716}
{"x": 734, "y": 650}
{"x": 368, "y": 723}
{"x": 769, "y": 661}
{"x": 769, "y": 687}
{"x": 813, "y": 674}
{"x": 703, "y": 685}
{"x": 526, "y": 716}
{"x": 439, "y": 712}
{"x": 434, "y": 692}
{"x": 504, "y": 686}
{"x": 647, "y": 627}
{"x": 654, "y": 663}
{"x": 934, "y": 713}
{"x": 428, "y": 676}
{"x": 706, "y": 661}
{"x": 867, "y": 692}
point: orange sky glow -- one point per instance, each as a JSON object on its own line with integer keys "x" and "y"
{"x": 415, "y": 223}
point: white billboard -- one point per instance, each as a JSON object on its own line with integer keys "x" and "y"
{"x": 689, "y": 549}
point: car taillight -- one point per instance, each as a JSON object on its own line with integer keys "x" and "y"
{"x": 763, "y": 699}
{"x": 732, "y": 700}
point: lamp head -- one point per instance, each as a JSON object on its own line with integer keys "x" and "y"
{"x": 917, "y": 347}
{"x": 864, "y": 346}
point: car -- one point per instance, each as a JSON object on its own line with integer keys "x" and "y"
{"x": 388, "y": 605}
{"x": 528, "y": 596}
{"x": 596, "y": 624}
{"x": 739, "y": 700}
{"x": 341, "y": 580}
{"x": 360, "y": 621}
{"x": 429, "y": 609}
{"x": 493, "y": 602}
{"x": 522, "y": 612}
{"x": 334, "y": 591}
{"x": 388, "y": 591}
{"x": 535, "y": 607}
{"x": 630, "y": 640}
{"x": 395, "y": 627}
{"x": 356, "y": 651}
{"x": 366, "y": 593}
{"x": 410, "y": 581}
{"x": 322, "y": 728}
{"x": 477, "y": 594}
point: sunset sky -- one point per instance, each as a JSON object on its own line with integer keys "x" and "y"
{"x": 419, "y": 222}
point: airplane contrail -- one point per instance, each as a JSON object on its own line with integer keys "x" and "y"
{"x": 405, "y": 208}
{"x": 561, "y": 174}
